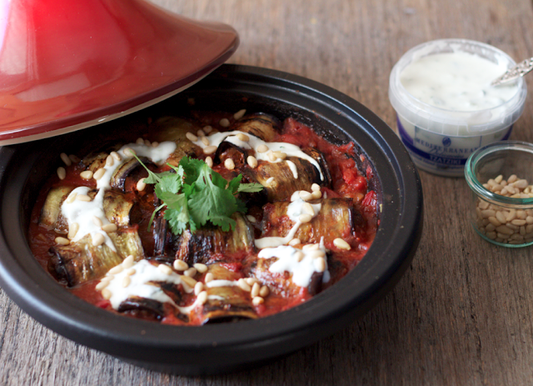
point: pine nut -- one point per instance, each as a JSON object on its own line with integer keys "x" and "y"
{"x": 97, "y": 221}
{"x": 72, "y": 197}
{"x": 243, "y": 285}
{"x": 224, "y": 122}
{"x": 200, "y": 133}
{"x": 73, "y": 230}
{"x": 316, "y": 194}
{"x": 106, "y": 294}
{"x": 255, "y": 290}
{"x": 307, "y": 208}
{"x": 126, "y": 281}
{"x": 294, "y": 242}
{"x": 109, "y": 161}
{"x": 202, "y": 297}
{"x": 305, "y": 218}
{"x": 100, "y": 286}
{"x": 264, "y": 291}
{"x": 98, "y": 239}
{"x": 320, "y": 264}
{"x": 243, "y": 137}
{"x": 86, "y": 175}
{"x": 189, "y": 281}
{"x": 128, "y": 261}
{"x": 65, "y": 159}
{"x": 252, "y": 161}
{"x": 229, "y": 164}
{"x": 198, "y": 287}
{"x": 205, "y": 141}
{"x": 191, "y": 137}
{"x": 74, "y": 158}
{"x": 208, "y": 129}
{"x": 191, "y": 272}
{"x": 116, "y": 156}
{"x": 129, "y": 151}
{"x": 209, "y": 277}
{"x": 202, "y": 268}
{"x": 165, "y": 269}
{"x": 83, "y": 197}
{"x": 262, "y": 148}
{"x": 62, "y": 241}
{"x": 109, "y": 228}
{"x": 141, "y": 185}
{"x": 139, "y": 141}
{"x": 116, "y": 269}
{"x": 209, "y": 161}
{"x": 239, "y": 114}
{"x": 180, "y": 265}
{"x": 306, "y": 196}
{"x": 342, "y": 244}
{"x": 61, "y": 172}
{"x": 316, "y": 188}
{"x": 258, "y": 301}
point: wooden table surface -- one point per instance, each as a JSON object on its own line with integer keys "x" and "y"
{"x": 461, "y": 315}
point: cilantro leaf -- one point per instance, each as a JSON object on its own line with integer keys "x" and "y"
{"x": 193, "y": 195}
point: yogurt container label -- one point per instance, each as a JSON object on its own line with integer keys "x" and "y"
{"x": 442, "y": 154}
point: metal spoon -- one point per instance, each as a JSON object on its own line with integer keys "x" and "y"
{"x": 515, "y": 72}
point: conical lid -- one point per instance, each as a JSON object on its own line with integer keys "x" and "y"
{"x": 69, "y": 64}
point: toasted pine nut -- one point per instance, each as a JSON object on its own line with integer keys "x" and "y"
{"x": 191, "y": 137}
{"x": 86, "y": 175}
{"x": 141, "y": 185}
{"x": 224, "y": 122}
{"x": 62, "y": 241}
{"x": 262, "y": 148}
{"x": 73, "y": 229}
{"x": 165, "y": 269}
{"x": 243, "y": 137}
{"x": 209, "y": 161}
{"x": 61, "y": 172}
{"x": 239, "y": 114}
{"x": 252, "y": 161}
{"x": 202, "y": 268}
{"x": 98, "y": 239}
{"x": 180, "y": 265}
{"x": 341, "y": 244}
{"x": 109, "y": 228}
{"x": 209, "y": 277}
{"x": 229, "y": 164}
{"x": 65, "y": 159}
{"x": 257, "y": 301}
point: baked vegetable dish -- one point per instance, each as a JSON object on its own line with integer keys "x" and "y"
{"x": 214, "y": 217}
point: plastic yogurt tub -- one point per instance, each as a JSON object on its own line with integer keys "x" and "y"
{"x": 440, "y": 140}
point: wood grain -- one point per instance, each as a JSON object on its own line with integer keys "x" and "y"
{"x": 462, "y": 314}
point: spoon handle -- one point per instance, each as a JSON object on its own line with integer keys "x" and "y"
{"x": 515, "y": 72}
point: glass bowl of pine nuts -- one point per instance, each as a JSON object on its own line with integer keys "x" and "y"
{"x": 500, "y": 176}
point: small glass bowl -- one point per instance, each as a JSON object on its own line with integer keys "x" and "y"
{"x": 502, "y": 202}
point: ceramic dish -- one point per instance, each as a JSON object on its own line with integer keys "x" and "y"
{"x": 222, "y": 347}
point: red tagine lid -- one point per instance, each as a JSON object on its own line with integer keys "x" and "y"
{"x": 67, "y": 65}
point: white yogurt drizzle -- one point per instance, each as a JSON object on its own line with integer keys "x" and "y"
{"x": 220, "y": 283}
{"x": 140, "y": 285}
{"x": 301, "y": 270}
{"x": 294, "y": 210}
{"x": 291, "y": 150}
{"x": 457, "y": 81}
{"x": 82, "y": 212}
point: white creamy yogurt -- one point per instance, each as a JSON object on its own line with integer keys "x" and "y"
{"x": 288, "y": 261}
{"x": 291, "y": 150}
{"x": 457, "y": 81}
{"x": 83, "y": 212}
{"x": 445, "y": 106}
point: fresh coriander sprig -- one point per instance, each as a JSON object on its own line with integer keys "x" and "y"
{"x": 194, "y": 194}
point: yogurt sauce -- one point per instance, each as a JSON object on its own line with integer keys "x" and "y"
{"x": 83, "y": 212}
{"x": 457, "y": 81}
